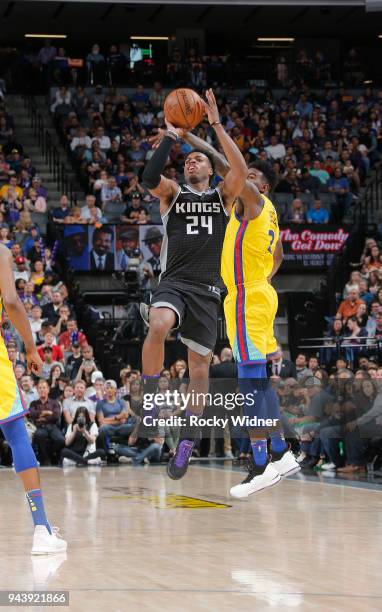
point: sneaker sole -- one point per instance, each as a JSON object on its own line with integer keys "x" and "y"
{"x": 48, "y": 552}
{"x": 291, "y": 472}
{"x": 172, "y": 476}
{"x": 271, "y": 484}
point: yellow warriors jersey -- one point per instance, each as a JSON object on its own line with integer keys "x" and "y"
{"x": 251, "y": 305}
{"x": 249, "y": 247}
{"x": 12, "y": 404}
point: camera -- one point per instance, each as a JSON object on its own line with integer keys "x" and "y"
{"x": 81, "y": 422}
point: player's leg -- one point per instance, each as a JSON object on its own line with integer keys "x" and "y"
{"x": 198, "y": 366}
{"x": 251, "y": 312}
{"x": 198, "y": 333}
{"x": 252, "y": 380}
{"x": 166, "y": 312}
{"x": 25, "y": 464}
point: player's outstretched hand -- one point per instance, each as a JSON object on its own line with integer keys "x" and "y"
{"x": 211, "y": 107}
{"x": 34, "y": 362}
{"x": 157, "y": 138}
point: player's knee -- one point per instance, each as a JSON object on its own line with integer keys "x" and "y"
{"x": 159, "y": 328}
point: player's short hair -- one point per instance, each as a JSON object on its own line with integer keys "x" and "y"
{"x": 208, "y": 155}
{"x": 268, "y": 173}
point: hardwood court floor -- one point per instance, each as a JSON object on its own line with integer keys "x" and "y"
{"x": 139, "y": 541}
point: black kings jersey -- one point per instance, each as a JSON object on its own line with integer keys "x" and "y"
{"x": 194, "y": 229}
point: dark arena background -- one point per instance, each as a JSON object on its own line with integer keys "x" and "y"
{"x": 82, "y": 87}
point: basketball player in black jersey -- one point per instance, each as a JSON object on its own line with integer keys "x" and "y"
{"x": 187, "y": 297}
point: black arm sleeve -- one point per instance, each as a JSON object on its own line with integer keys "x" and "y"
{"x": 153, "y": 170}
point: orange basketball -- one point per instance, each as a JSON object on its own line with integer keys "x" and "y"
{"x": 184, "y": 108}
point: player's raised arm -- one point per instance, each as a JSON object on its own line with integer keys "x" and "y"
{"x": 16, "y": 311}
{"x": 235, "y": 179}
{"x": 152, "y": 178}
{"x": 221, "y": 165}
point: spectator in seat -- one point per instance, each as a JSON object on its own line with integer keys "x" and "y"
{"x": 348, "y": 308}
{"x": 296, "y": 213}
{"x": 140, "y": 98}
{"x": 74, "y": 361}
{"x": 353, "y": 337}
{"x": 281, "y": 367}
{"x": 339, "y": 185}
{"x": 29, "y": 390}
{"x": 35, "y": 320}
{"x": 133, "y": 210}
{"x": 113, "y": 416}
{"x": 71, "y": 405}
{"x": 322, "y": 175}
{"x": 275, "y": 150}
{"x": 45, "y": 414}
{"x": 11, "y": 185}
{"x": 21, "y": 269}
{"x": 302, "y": 369}
{"x": 317, "y": 214}
{"x": 90, "y": 211}
{"x": 80, "y": 440}
{"x": 51, "y": 310}
{"x": 49, "y": 362}
{"x": 328, "y": 151}
{"x": 111, "y": 192}
{"x": 71, "y": 335}
{"x": 60, "y": 213}
{"x": 50, "y": 341}
{"x": 28, "y": 295}
{"x": 102, "y": 139}
{"x": 80, "y": 141}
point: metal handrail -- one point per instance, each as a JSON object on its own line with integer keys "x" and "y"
{"x": 50, "y": 151}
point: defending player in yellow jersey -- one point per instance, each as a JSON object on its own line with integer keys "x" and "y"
{"x": 248, "y": 263}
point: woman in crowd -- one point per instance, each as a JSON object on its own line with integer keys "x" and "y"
{"x": 80, "y": 441}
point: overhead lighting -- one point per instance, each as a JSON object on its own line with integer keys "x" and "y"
{"x": 274, "y": 39}
{"x": 368, "y": 82}
{"x": 45, "y": 36}
{"x": 149, "y": 38}
{"x": 379, "y": 35}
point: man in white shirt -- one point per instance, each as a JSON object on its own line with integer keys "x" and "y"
{"x": 21, "y": 269}
{"x": 81, "y": 140}
{"x": 275, "y": 150}
{"x": 86, "y": 211}
{"x": 71, "y": 404}
{"x": 36, "y": 321}
{"x": 102, "y": 139}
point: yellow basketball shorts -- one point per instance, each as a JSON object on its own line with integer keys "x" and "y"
{"x": 250, "y": 314}
{"x": 12, "y": 405}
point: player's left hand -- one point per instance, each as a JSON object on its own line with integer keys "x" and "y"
{"x": 211, "y": 107}
{"x": 34, "y": 362}
{"x": 157, "y": 138}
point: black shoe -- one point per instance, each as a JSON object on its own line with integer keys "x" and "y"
{"x": 305, "y": 461}
{"x": 178, "y": 464}
{"x": 312, "y": 461}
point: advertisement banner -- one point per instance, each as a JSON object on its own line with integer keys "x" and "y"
{"x": 311, "y": 247}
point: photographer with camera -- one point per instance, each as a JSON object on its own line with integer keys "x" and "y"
{"x": 80, "y": 440}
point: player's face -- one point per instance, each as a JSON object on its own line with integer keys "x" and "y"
{"x": 257, "y": 178}
{"x": 197, "y": 168}
{"x": 102, "y": 243}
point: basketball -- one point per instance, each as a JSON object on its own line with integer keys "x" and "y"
{"x": 184, "y": 108}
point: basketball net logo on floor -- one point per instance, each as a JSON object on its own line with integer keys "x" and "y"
{"x": 168, "y": 501}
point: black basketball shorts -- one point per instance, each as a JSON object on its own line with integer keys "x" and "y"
{"x": 196, "y": 307}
